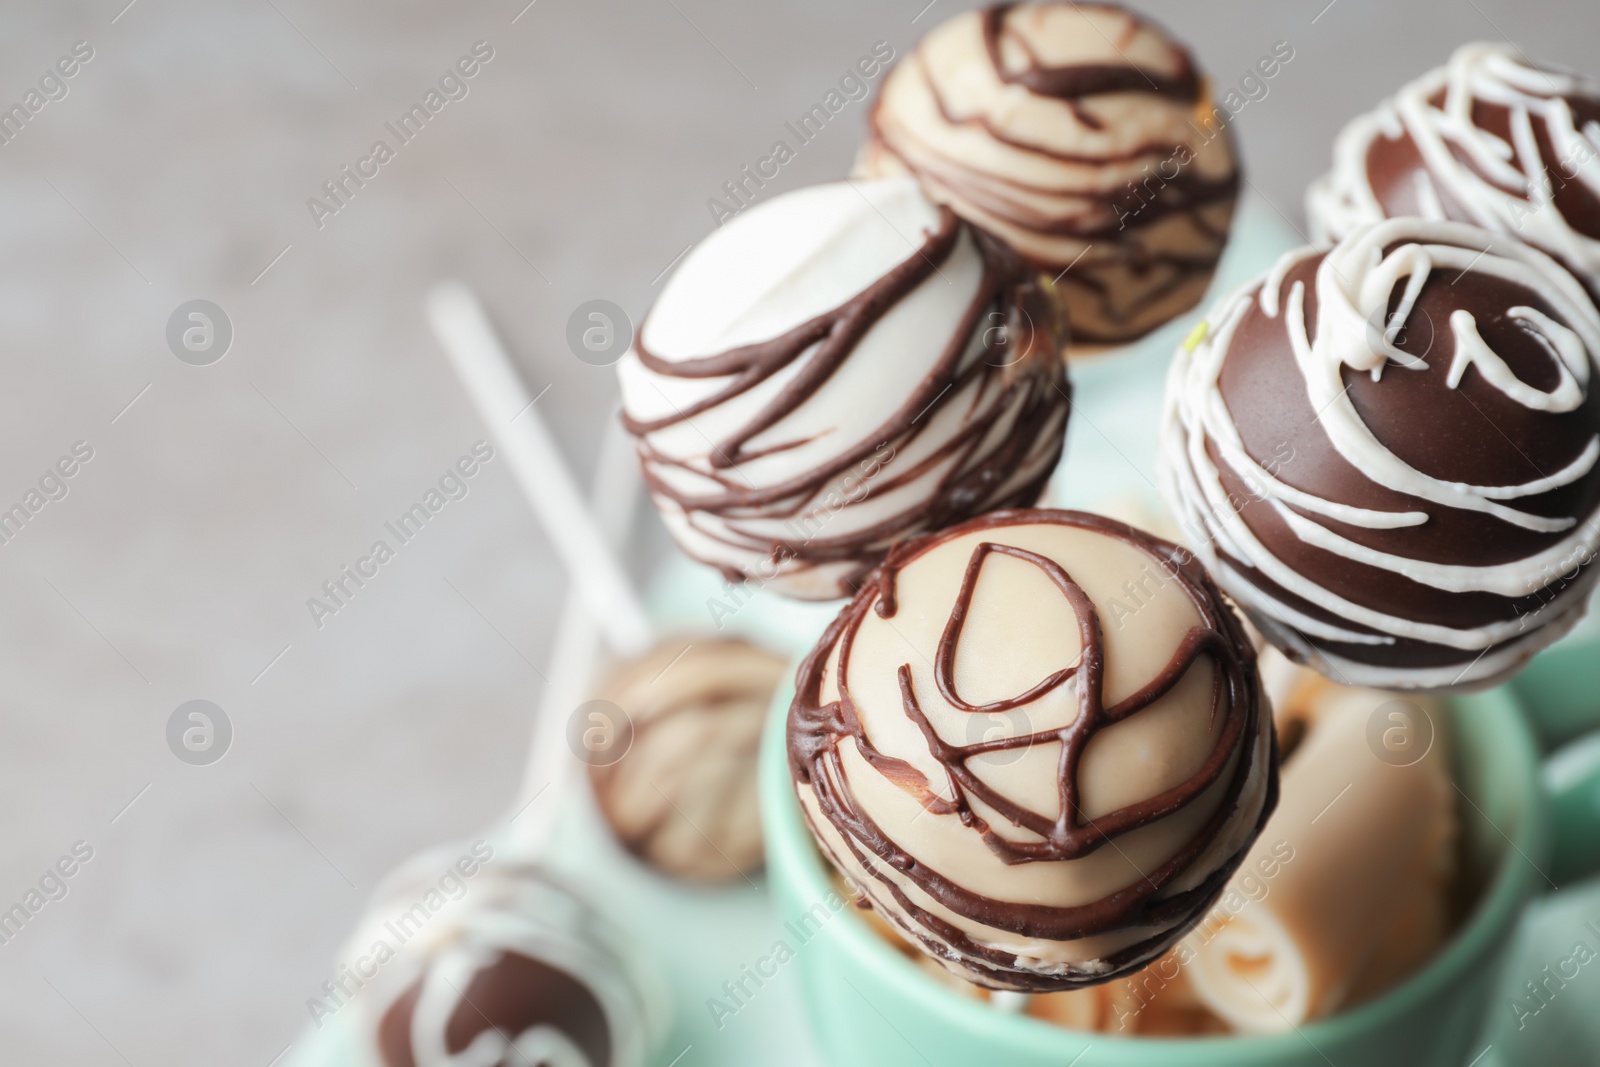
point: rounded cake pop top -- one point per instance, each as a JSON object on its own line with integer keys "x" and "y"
{"x": 1488, "y": 139}
{"x": 469, "y": 959}
{"x": 683, "y": 796}
{"x": 1081, "y": 134}
{"x": 833, "y": 371}
{"x": 1386, "y": 453}
{"x": 1037, "y": 741}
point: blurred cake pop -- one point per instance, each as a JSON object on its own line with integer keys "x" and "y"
{"x": 1157, "y": 1001}
{"x": 1487, "y": 139}
{"x": 1037, "y": 741}
{"x": 1337, "y": 901}
{"x": 1347, "y": 891}
{"x": 682, "y": 795}
{"x": 1386, "y": 453}
{"x": 1081, "y": 134}
{"x": 469, "y": 959}
{"x": 833, "y": 371}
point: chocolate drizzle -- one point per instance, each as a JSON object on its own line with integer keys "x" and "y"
{"x": 512, "y": 995}
{"x": 683, "y": 796}
{"x": 817, "y": 728}
{"x": 1087, "y": 79}
{"x": 1421, "y": 516}
{"x": 834, "y": 334}
{"x": 500, "y": 968}
{"x": 1488, "y": 139}
{"x": 1140, "y": 249}
{"x": 999, "y": 362}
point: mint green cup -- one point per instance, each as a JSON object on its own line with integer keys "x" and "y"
{"x": 870, "y": 1005}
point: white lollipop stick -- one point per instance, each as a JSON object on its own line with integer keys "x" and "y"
{"x": 463, "y": 328}
{"x": 573, "y": 660}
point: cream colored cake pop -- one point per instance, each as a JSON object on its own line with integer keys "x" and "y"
{"x": 1083, "y": 135}
{"x": 1037, "y": 742}
{"x": 682, "y": 796}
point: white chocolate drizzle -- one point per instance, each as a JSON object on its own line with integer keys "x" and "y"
{"x": 1502, "y": 185}
{"x": 508, "y": 907}
{"x": 1354, "y": 330}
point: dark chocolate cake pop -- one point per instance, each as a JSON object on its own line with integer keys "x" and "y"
{"x": 1486, "y": 139}
{"x": 468, "y": 959}
{"x": 1386, "y": 453}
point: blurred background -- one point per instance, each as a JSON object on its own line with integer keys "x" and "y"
{"x": 176, "y": 163}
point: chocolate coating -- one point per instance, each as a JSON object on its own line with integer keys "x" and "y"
{"x": 1082, "y": 135}
{"x": 973, "y": 793}
{"x": 1486, "y": 139}
{"x": 683, "y": 797}
{"x": 838, "y": 369}
{"x": 466, "y": 958}
{"x": 1415, "y": 514}
{"x": 512, "y": 995}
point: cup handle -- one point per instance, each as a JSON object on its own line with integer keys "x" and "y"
{"x": 1572, "y": 778}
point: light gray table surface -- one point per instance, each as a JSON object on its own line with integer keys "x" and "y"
{"x": 219, "y": 498}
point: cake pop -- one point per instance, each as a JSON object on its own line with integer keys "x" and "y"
{"x": 1386, "y": 453}
{"x": 1037, "y": 742}
{"x": 835, "y": 370}
{"x": 1084, "y": 136}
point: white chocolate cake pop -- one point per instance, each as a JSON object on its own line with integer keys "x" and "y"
{"x": 1082, "y": 135}
{"x": 833, "y": 371}
{"x": 1037, "y": 741}
{"x": 683, "y": 796}
{"x": 1387, "y": 454}
{"x": 467, "y": 959}
{"x": 1486, "y": 139}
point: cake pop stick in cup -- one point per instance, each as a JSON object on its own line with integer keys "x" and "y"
{"x": 577, "y": 655}
{"x": 684, "y": 799}
{"x": 464, "y": 330}
{"x": 670, "y": 736}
